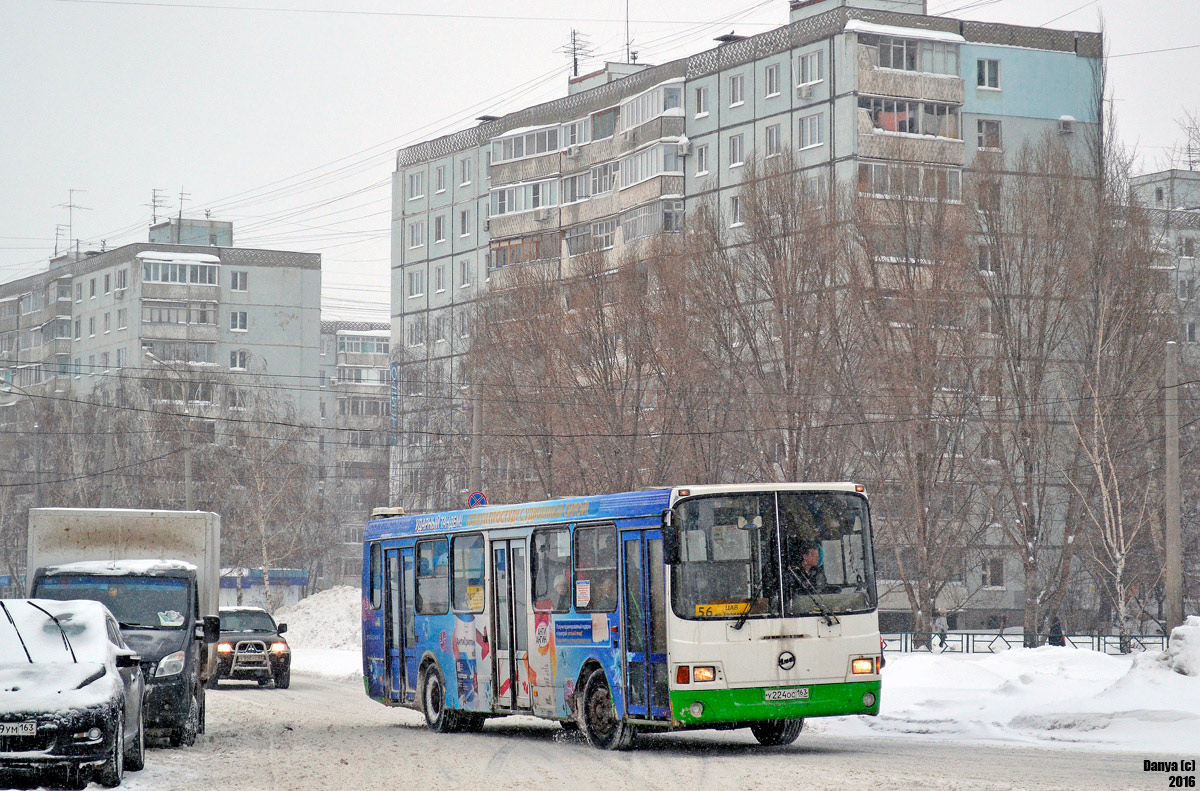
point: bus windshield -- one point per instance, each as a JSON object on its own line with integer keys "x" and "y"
{"x": 772, "y": 554}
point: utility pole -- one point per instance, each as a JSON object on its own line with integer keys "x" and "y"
{"x": 37, "y": 466}
{"x": 476, "y": 471}
{"x": 1172, "y": 543}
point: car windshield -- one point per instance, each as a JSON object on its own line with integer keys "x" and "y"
{"x": 34, "y": 631}
{"x": 786, "y": 554}
{"x": 246, "y": 621}
{"x": 147, "y": 602}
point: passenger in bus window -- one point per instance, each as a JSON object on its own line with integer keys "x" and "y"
{"x": 604, "y": 592}
{"x": 560, "y": 596}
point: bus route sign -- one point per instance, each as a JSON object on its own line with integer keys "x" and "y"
{"x": 476, "y": 500}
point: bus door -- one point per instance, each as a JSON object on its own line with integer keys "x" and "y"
{"x": 509, "y": 590}
{"x": 645, "y": 624}
{"x": 401, "y": 634}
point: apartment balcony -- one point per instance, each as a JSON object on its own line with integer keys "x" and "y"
{"x": 648, "y": 190}
{"x": 525, "y": 223}
{"x": 663, "y": 126}
{"x": 181, "y": 332}
{"x": 529, "y": 169}
{"x": 906, "y": 84}
{"x": 363, "y": 359}
{"x": 589, "y": 209}
{"x": 594, "y": 153}
{"x": 876, "y": 144}
{"x": 181, "y": 291}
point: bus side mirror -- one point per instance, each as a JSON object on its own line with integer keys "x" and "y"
{"x": 670, "y": 538}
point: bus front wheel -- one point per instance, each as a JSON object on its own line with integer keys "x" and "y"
{"x": 601, "y": 723}
{"x": 433, "y": 703}
{"x": 776, "y": 733}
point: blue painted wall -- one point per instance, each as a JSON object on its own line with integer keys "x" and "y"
{"x": 1033, "y": 83}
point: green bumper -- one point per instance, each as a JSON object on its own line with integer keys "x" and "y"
{"x": 749, "y": 705}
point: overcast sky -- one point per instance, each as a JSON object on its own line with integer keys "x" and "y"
{"x": 285, "y": 117}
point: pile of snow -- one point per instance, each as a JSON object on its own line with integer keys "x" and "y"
{"x": 325, "y": 633}
{"x": 1183, "y": 654}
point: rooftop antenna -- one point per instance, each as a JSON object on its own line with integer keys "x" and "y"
{"x": 71, "y": 206}
{"x": 1193, "y": 157}
{"x": 579, "y": 47}
{"x": 627, "y": 31}
{"x": 179, "y": 228}
{"x": 157, "y": 201}
{"x": 61, "y": 232}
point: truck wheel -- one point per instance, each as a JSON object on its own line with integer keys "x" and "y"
{"x": 135, "y": 757}
{"x": 113, "y": 770}
{"x": 185, "y": 734}
{"x": 601, "y": 723}
{"x": 776, "y": 733}
{"x": 433, "y": 703}
{"x": 283, "y": 679}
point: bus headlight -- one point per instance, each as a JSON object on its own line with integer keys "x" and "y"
{"x": 704, "y": 673}
{"x": 862, "y": 666}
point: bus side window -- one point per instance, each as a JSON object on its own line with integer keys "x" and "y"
{"x": 376, "y": 577}
{"x": 596, "y": 568}
{"x": 552, "y": 578}
{"x": 433, "y": 577}
{"x": 467, "y": 579}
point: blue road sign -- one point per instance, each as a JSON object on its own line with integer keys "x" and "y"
{"x": 476, "y": 500}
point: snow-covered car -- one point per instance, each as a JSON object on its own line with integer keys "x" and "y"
{"x": 252, "y": 647}
{"x": 71, "y": 693}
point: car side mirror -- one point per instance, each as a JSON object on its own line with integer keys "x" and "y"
{"x": 211, "y": 629}
{"x": 670, "y": 536}
{"x": 280, "y": 628}
{"x": 128, "y": 659}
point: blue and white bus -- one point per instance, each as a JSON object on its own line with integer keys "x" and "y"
{"x": 691, "y": 607}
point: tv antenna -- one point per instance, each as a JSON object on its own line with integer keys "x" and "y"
{"x": 579, "y": 47}
{"x": 158, "y": 200}
{"x": 71, "y": 206}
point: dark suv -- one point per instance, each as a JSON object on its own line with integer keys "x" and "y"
{"x": 251, "y": 647}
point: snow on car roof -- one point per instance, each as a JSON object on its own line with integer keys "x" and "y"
{"x": 121, "y": 567}
{"x": 242, "y": 609}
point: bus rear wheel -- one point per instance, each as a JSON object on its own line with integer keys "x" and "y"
{"x": 433, "y": 703}
{"x": 604, "y": 728}
{"x": 776, "y": 733}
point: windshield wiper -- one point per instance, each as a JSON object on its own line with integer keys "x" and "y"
{"x": 18, "y": 631}
{"x": 741, "y": 621}
{"x": 61, "y": 630}
{"x": 131, "y": 625}
{"x": 806, "y": 587}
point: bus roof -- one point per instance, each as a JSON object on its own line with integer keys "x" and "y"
{"x": 572, "y": 509}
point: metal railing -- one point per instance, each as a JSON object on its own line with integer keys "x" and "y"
{"x": 992, "y": 642}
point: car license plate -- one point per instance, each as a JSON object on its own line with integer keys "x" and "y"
{"x": 796, "y": 693}
{"x": 18, "y": 729}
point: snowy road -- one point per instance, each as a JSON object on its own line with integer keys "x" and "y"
{"x": 325, "y": 734}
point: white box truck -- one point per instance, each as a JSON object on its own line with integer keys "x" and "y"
{"x": 159, "y": 574}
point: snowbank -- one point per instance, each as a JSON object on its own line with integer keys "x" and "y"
{"x": 330, "y": 619}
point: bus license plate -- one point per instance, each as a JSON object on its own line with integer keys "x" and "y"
{"x": 18, "y": 729}
{"x": 796, "y": 693}
{"x": 722, "y": 609}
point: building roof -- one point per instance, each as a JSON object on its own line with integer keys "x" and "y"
{"x": 331, "y": 327}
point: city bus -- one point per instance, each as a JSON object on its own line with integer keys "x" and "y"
{"x": 750, "y": 605}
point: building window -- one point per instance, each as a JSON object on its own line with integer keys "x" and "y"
{"x": 810, "y": 68}
{"x": 1187, "y": 288}
{"x": 735, "y": 210}
{"x": 604, "y": 178}
{"x": 648, "y": 163}
{"x": 464, "y": 325}
{"x": 78, "y": 329}
{"x": 702, "y": 160}
{"x": 464, "y": 222}
{"x": 1189, "y": 332}
{"x": 771, "y": 78}
{"x": 604, "y": 123}
{"x": 989, "y": 259}
{"x": 576, "y": 188}
{"x": 439, "y": 228}
{"x": 893, "y": 180}
{"x": 122, "y": 279}
{"x": 524, "y": 197}
{"x": 993, "y": 572}
{"x": 79, "y": 288}
{"x": 672, "y": 216}
{"x": 892, "y": 52}
{"x": 107, "y": 323}
{"x": 525, "y": 144}
{"x": 92, "y": 294}
{"x": 1158, "y": 198}
{"x": 237, "y": 360}
{"x": 441, "y": 326}
{"x": 416, "y": 333}
{"x": 737, "y": 90}
{"x": 464, "y": 167}
{"x": 737, "y": 150}
{"x": 238, "y": 280}
{"x": 464, "y": 274}
{"x": 603, "y": 234}
{"x": 122, "y": 357}
{"x": 238, "y": 321}
{"x": 987, "y": 73}
{"x": 774, "y": 143}
{"x": 650, "y": 104}
{"x": 416, "y": 283}
{"x": 416, "y": 235}
{"x": 122, "y": 318}
{"x": 701, "y": 101}
{"x": 416, "y": 186}
{"x": 439, "y": 179}
{"x": 1187, "y": 247}
{"x": 810, "y": 131}
{"x": 578, "y": 239}
{"x": 107, "y": 280}
{"x": 439, "y": 277}
{"x": 575, "y": 133}
{"x": 989, "y": 134}
{"x": 167, "y": 272}
{"x": 91, "y": 326}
